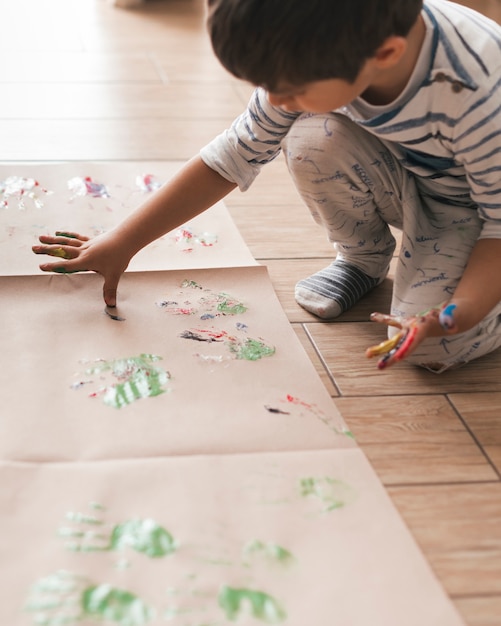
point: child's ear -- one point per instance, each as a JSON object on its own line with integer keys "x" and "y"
{"x": 390, "y": 52}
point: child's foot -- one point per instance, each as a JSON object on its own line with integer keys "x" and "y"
{"x": 334, "y": 290}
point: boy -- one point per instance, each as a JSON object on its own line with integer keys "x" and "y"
{"x": 388, "y": 113}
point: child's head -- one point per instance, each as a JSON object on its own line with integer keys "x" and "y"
{"x": 270, "y": 42}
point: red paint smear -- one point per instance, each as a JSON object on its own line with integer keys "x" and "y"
{"x": 215, "y": 334}
{"x": 294, "y": 400}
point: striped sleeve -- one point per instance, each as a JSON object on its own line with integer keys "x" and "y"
{"x": 253, "y": 140}
{"x": 477, "y": 145}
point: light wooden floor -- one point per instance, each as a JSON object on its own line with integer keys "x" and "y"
{"x": 82, "y": 80}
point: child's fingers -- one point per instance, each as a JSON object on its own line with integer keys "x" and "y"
{"x": 446, "y": 317}
{"x": 404, "y": 347}
{"x": 110, "y": 290}
{"x": 63, "y": 252}
{"x": 61, "y": 239}
{"x": 71, "y": 235}
{"x": 389, "y": 320}
{"x": 385, "y": 346}
{"x": 66, "y": 267}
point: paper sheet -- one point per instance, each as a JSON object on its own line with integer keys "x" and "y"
{"x": 39, "y": 199}
{"x": 177, "y": 459}
{"x": 221, "y": 372}
{"x": 292, "y": 538}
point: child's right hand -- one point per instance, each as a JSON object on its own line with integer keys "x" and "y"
{"x": 78, "y": 253}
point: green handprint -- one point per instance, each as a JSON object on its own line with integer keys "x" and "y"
{"x": 268, "y": 550}
{"x": 136, "y": 378}
{"x": 334, "y": 494}
{"x": 236, "y": 602}
{"x": 145, "y": 536}
{"x": 64, "y": 598}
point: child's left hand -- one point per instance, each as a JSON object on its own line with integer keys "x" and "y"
{"x": 412, "y": 331}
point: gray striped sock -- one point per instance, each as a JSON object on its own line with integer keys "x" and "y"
{"x": 333, "y": 290}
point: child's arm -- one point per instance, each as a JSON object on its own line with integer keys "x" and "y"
{"x": 195, "y": 188}
{"x": 477, "y": 293}
{"x": 479, "y": 289}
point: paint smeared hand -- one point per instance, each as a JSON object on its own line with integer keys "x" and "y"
{"x": 78, "y": 253}
{"x": 412, "y": 331}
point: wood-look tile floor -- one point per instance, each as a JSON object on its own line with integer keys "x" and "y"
{"x": 83, "y": 80}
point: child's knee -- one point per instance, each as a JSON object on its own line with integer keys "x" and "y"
{"x": 314, "y": 138}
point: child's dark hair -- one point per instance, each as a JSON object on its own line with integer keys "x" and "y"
{"x": 272, "y": 42}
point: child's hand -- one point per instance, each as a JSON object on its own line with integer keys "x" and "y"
{"x": 78, "y": 253}
{"x": 412, "y": 331}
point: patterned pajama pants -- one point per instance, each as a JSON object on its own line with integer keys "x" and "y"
{"x": 356, "y": 190}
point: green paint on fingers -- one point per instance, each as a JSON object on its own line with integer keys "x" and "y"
{"x": 62, "y": 233}
{"x": 63, "y": 270}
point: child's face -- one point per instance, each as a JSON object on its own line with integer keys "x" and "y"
{"x": 322, "y": 96}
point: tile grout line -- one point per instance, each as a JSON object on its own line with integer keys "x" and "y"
{"x": 446, "y": 483}
{"x": 321, "y": 357}
{"x": 474, "y": 437}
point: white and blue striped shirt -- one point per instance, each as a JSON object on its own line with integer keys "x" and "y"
{"x": 445, "y": 127}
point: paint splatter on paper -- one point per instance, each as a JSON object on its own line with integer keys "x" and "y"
{"x": 186, "y": 240}
{"x": 112, "y": 314}
{"x": 331, "y": 493}
{"x": 193, "y": 299}
{"x": 125, "y": 380}
{"x": 292, "y": 405}
{"x": 21, "y": 189}
{"x": 148, "y": 183}
{"x": 245, "y": 348}
{"x": 267, "y": 550}
{"x": 204, "y": 334}
{"x": 81, "y": 187}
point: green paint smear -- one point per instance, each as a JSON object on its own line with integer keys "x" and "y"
{"x": 62, "y": 233}
{"x": 332, "y": 493}
{"x": 143, "y": 535}
{"x": 229, "y": 306}
{"x": 115, "y": 605}
{"x": 252, "y": 350}
{"x": 234, "y": 602}
{"x": 97, "y": 506}
{"x": 191, "y": 283}
{"x": 271, "y": 551}
{"x": 138, "y": 378}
